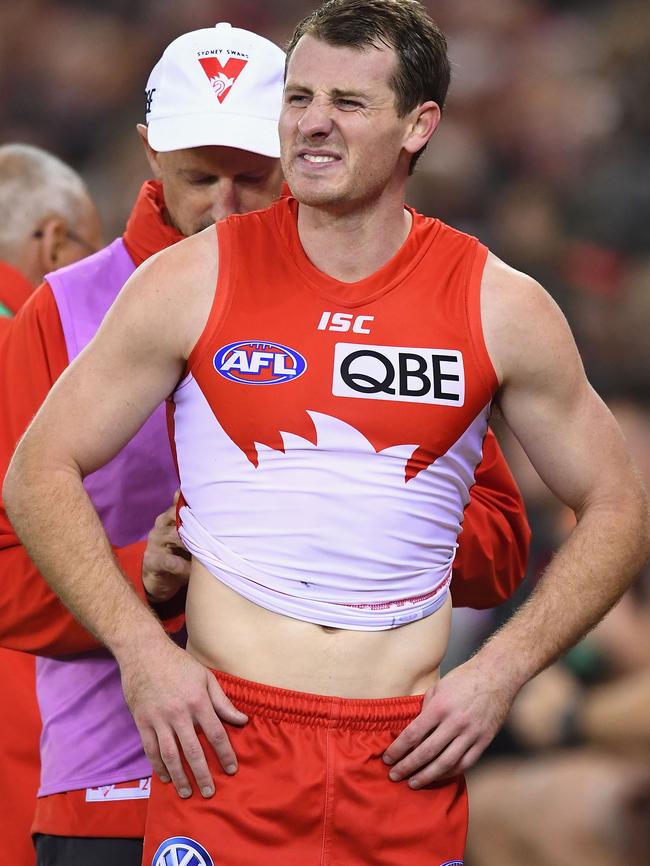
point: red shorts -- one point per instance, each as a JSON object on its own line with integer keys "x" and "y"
{"x": 112, "y": 811}
{"x": 311, "y": 790}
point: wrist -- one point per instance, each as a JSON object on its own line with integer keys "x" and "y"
{"x": 137, "y": 641}
{"x": 503, "y": 666}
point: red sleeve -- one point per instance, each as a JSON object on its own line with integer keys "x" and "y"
{"x": 493, "y": 546}
{"x": 32, "y": 619}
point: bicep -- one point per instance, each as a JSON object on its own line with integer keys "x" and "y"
{"x": 565, "y": 428}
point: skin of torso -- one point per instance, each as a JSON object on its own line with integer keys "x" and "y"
{"x": 229, "y": 633}
{"x": 232, "y": 634}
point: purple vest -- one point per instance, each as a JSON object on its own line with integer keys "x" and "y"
{"x": 89, "y": 737}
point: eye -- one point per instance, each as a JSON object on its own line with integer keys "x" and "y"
{"x": 347, "y": 104}
{"x": 297, "y": 99}
{"x": 204, "y": 180}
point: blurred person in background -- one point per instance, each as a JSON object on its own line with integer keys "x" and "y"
{"x": 212, "y": 157}
{"x": 331, "y": 101}
{"x": 211, "y": 142}
{"x": 49, "y": 220}
{"x": 580, "y": 731}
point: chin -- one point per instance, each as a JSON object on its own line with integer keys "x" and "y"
{"x": 314, "y": 195}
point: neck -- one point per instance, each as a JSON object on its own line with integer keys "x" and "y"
{"x": 352, "y": 246}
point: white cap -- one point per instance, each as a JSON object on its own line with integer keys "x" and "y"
{"x": 220, "y": 85}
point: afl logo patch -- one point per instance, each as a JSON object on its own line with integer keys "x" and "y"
{"x": 259, "y": 363}
{"x": 453, "y": 863}
{"x": 181, "y": 851}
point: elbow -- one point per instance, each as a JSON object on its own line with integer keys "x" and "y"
{"x": 639, "y": 519}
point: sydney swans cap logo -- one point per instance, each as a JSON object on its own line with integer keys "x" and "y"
{"x": 223, "y": 77}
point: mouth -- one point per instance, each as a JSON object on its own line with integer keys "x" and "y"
{"x": 317, "y": 159}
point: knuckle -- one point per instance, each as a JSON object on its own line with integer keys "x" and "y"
{"x": 152, "y": 753}
{"x": 168, "y": 755}
{"x": 177, "y": 712}
{"x": 219, "y": 738}
{"x": 170, "y": 563}
{"x": 193, "y": 752}
{"x": 409, "y": 738}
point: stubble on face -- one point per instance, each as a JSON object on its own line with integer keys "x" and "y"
{"x": 338, "y": 101}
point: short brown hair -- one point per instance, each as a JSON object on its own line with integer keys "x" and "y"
{"x": 422, "y": 70}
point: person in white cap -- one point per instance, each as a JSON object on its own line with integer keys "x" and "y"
{"x": 212, "y": 106}
{"x": 204, "y": 90}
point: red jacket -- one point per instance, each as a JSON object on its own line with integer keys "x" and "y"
{"x": 20, "y": 723}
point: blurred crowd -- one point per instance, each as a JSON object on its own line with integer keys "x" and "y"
{"x": 542, "y": 153}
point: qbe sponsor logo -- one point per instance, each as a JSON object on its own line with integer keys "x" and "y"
{"x": 255, "y": 362}
{"x": 401, "y": 373}
{"x": 181, "y": 851}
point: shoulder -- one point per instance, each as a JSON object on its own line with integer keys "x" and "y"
{"x": 522, "y": 324}
{"x": 170, "y": 294}
{"x": 191, "y": 257}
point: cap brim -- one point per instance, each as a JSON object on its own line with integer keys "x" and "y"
{"x": 254, "y": 134}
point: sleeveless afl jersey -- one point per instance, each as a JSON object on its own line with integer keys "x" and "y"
{"x": 327, "y": 433}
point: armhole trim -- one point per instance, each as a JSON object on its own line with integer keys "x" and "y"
{"x": 475, "y": 322}
{"x": 221, "y": 301}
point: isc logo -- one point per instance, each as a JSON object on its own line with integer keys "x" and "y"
{"x": 259, "y": 363}
{"x": 399, "y": 373}
{"x": 344, "y": 322}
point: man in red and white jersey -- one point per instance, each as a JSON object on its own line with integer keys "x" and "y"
{"x": 220, "y": 87}
{"x": 332, "y": 363}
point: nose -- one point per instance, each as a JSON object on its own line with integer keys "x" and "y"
{"x": 225, "y": 199}
{"x": 315, "y": 121}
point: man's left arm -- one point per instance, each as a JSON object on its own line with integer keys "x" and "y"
{"x": 577, "y": 448}
{"x": 493, "y": 547}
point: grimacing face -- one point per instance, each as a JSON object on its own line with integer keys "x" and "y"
{"x": 340, "y": 133}
{"x": 203, "y": 185}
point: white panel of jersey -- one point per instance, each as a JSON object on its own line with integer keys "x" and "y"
{"x": 328, "y": 533}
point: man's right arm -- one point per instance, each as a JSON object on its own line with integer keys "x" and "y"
{"x": 94, "y": 409}
{"x": 32, "y": 619}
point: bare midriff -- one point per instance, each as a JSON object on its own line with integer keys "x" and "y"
{"x": 228, "y": 632}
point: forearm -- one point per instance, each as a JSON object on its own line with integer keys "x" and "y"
{"x": 62, "y": 534}
{"x": 590, "y": 572}
{"x": 32, "y": 617}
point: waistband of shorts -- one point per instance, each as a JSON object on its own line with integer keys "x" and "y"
{"x": 258, "y": 699}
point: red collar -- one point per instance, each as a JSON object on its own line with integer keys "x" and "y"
{"x": 14, "y": 287}
{"x": 146, "y": 231}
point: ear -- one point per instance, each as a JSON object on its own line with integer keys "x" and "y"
{"x": 149, "y": 152}
{"x": 53, "y": 237}
{"x": 424, "y": 122}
